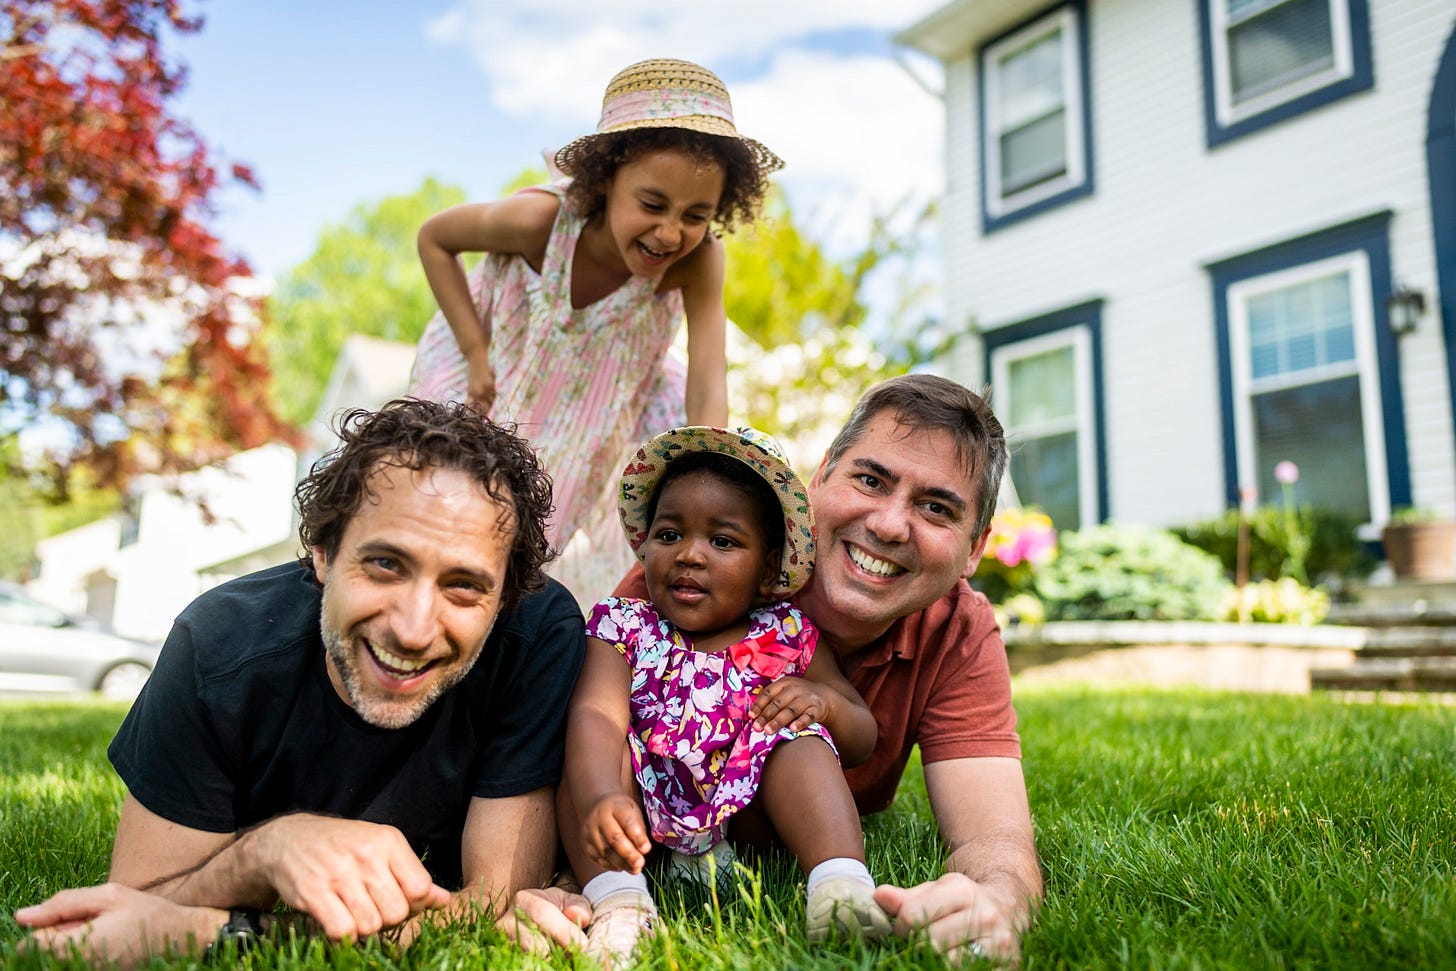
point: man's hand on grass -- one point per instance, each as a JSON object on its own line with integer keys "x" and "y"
{"x": 116, "y": 923}
{"x": 542, "y": 918}
{"x": 960, "y": 917}
{"x": 354, "y": 878}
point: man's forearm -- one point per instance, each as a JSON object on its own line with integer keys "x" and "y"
{"x": 228, "y": 878}
{"x": 1005, "y": 861}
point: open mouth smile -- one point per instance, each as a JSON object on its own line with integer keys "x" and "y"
{"x": 394, "y": 665}
{"x": 873, "y": 564}
{"x": 652, "y": 253}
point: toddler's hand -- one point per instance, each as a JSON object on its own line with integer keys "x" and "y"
{"x": 480, "y": 384}
{"x": 613, "y": 833}
{"x": 793, "y": 703}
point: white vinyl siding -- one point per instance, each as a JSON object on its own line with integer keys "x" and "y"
{"x": 1034, "y": 111}
{"x": 1268, "y": 52}
{"x": 1044, "y": 397}
{"x": 1305, "y": 385}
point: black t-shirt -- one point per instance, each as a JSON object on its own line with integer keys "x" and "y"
{"x": 240, "y": 723}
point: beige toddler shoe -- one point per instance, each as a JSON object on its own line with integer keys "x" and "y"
{"x": 844, "y": 906}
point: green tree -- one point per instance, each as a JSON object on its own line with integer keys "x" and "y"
{"x": 810, "y": 319}
{"x": 364, "y": 277}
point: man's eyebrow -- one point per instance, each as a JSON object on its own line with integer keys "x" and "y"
{"x": 948, "y": 496}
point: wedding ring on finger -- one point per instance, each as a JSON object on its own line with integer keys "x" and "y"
{"x": 976, "y": 949}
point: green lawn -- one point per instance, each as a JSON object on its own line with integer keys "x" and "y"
{"x": 1178, "y": 829}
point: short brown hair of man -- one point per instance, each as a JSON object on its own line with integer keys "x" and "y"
{"x": 410, "y": 433}
{"x": 927, "y": 402}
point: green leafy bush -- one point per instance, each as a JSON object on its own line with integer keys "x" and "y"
{"x": 1115, "y": 572}
{"x": 1330, "y": 547}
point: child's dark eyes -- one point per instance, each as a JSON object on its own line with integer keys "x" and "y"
{"x": 724, "y": 542}
{"x": 668, "y": 536}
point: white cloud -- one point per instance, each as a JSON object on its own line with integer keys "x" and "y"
{"x": 859, "y": 134}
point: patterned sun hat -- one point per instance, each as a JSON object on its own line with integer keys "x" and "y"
{"x": 667, "y": 93}
{"x": 754, "y": 449}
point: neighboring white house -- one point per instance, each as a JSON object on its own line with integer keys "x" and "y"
{"x": 1184, "y": 238}
{"x": 137, "y": 570}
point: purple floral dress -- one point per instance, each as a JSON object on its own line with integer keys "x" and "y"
{"x": 694, "y": 750}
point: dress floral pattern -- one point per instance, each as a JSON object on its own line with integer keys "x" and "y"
{"x": 694, "y": 751}
{"x": 586, "y": 386}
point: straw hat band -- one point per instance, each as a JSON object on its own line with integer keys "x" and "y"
{"x": 649, "y": 105}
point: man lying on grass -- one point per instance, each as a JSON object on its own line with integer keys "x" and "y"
{"x": 903, "y": 503}
{"x": 315, "y": 731}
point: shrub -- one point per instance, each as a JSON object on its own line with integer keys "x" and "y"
{"x": 1333, "y": 549}
{"x": 1022, "y": 539}
{"x": 1284, "y": 601}
{"x": 1115, "y": 572}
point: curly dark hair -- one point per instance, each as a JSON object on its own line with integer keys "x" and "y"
{"x": 409, "y": 433}
{"x": 744, "y": 186}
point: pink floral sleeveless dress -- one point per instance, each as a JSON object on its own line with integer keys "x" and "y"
{"x": 586, "y": 386}
{"x": 694, "y": 750}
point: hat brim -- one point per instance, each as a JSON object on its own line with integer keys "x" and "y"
{"x": 754, "y": 449}
{"x": 763, "y": 159}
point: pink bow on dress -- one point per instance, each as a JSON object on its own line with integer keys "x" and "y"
{"x": 765, "y": 653}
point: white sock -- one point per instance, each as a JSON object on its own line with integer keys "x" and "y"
{"x": 840, "y": 866}
{"x": 611, "y": 882}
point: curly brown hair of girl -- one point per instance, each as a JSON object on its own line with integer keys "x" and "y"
{"x": 744, "y": 186}
{"x": 410, "y": 433}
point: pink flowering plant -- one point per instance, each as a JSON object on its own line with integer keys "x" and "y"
{"x": 1022, "y": 539}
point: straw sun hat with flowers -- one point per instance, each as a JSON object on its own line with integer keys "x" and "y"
{"x": 755, "y": 449}
{"x": 667, "y": 93}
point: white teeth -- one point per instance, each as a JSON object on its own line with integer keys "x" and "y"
{"x": 872, "y": 564}
{"x": 394, "y": 662}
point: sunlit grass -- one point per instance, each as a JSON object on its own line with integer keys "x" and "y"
{"x": 1178, "y": 829}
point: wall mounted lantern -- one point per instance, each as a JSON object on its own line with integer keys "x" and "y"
{"x": 1404, "y": 308}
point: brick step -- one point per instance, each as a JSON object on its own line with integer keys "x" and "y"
{"x": 1403, "y": 613}
{"x": 1388, "y": 674}
{"x": 1409, "y": 642}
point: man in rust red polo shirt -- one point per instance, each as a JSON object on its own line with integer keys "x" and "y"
{"x": 903, "y": 503}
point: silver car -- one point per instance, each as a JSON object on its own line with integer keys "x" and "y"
{"x": 46, "y": 651}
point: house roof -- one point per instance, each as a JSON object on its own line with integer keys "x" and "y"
{"x": 950, "y": 31}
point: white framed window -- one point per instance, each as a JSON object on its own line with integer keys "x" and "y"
{"x": 1306, "y": 386}
{"x": 1044, "y": 396}
{"x": 1266, "y": 53}
{"x": 1033, "y": 132}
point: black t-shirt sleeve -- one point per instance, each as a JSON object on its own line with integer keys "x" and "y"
{"x": 525, "y": 747}
{"x": 168, "y": 752}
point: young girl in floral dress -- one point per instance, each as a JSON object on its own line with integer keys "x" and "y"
{"x": 565, "y": 328}
{"x": 710, "y": 696}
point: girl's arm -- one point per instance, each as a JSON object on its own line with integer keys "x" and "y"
{"x": 517, "y": 224}
{"x": 702, "y": 287}
{"x": 612, "y": 831}
{"x": 822, "y": 695}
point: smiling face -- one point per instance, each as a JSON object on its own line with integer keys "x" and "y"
{"x": 705, "y": 557}
{"x": 412, "y": 592}
{"x": 896, "y": 529}
{"x": 658, "y": 208}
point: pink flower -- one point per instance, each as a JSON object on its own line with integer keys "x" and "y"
{"x": 1286, "y": 472}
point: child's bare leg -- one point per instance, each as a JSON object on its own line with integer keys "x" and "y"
{"x": 622, "y": 907}
{"x": 805, "y": 797}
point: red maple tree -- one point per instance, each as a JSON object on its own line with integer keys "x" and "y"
{"x": 122, "y": 316}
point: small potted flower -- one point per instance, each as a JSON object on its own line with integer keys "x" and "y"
{"x": 1420, "y": 545}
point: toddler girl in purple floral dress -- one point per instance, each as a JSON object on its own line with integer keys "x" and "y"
{"x": 722, "y": 705}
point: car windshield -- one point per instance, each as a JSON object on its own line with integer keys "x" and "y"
{"x": 16, "y": 608}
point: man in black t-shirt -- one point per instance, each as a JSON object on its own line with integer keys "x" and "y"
{"x": 362, "y": 732}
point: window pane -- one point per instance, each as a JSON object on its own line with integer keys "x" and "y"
{"x": 1033, "y": 154}
{"x": 1280, "y": 45}
{"x": 1318, "y": 428}
{"x": 1031, "y": 81}
{"x": 1042, "y": 388}
{"x": 1303, "y": 326}
{"x": 1044, "y": 471}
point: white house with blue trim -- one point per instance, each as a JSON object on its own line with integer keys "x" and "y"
{"x": 1189, "y": 239}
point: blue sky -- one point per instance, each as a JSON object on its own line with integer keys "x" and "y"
{"x": 335, "y": 104}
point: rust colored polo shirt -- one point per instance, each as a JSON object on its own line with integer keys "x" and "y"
{"x": 937, "y": 678}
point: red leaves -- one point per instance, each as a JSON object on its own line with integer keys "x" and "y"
{"x": 103, "y": 231}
